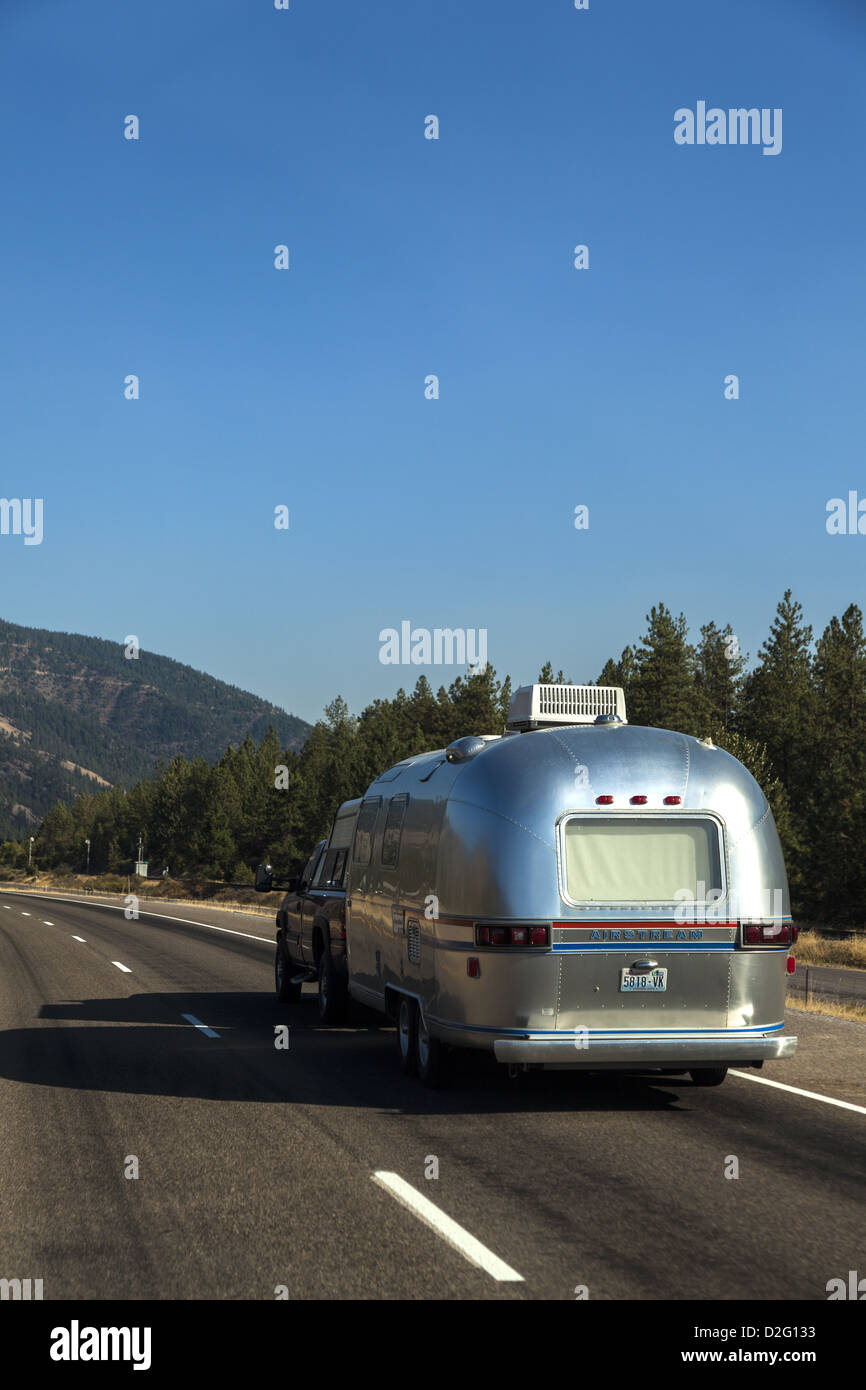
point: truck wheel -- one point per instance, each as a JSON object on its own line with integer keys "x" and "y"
{"x": 708, "y": 1076}
{"x": 407, "y": 1022}
{"x": 333, "y": 994}
{"x": 430, "y": 1055}
{"x": 287, "y": 993}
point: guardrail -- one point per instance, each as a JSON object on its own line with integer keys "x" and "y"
{"x": 814, "y": 982}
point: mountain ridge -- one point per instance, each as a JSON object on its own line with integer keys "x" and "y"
{"x": 74, "y": 711}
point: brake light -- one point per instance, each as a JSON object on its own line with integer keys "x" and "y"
{"x": 522, "y": 934}
{"x": 638, "y": 800}
{"x": 767, "y": 934}
{"x": 604, "y": 801}
{"x": 792, "y": 965}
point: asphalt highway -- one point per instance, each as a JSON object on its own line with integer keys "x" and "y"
{"x": 149, "y": 1046}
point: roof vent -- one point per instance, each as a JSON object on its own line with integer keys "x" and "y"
{"x": 549, "y": 706}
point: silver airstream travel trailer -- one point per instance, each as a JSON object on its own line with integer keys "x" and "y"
{"x": 577, "y": 893}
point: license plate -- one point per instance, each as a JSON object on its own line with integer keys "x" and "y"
{"x": 647, "y": 982}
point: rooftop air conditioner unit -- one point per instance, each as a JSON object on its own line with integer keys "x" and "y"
{"x": 549, "y": 706}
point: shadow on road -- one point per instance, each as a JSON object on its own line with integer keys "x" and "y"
{"x": 141, "y": 1044}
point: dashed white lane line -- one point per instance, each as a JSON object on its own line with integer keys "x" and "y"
{"x": 25, "y": 914}
{"x": 795, "y": 1090}
{"x": 79, "y": 938}
{"x": 202, "y": 1027}
{"x": 125, "y": 968}
{"x": 46, "y": 923}
{"x": 456, "y": 1236}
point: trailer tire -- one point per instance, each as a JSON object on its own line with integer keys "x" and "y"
{"x": 333, "y": 994}
{"x": 287, "y": 993}
{"x": 431, "y": 1059}
{"x": 406, "y": 1020}
{"x": 708, "y": 1076}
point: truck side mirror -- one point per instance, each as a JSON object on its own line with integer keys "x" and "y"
{"x": 264, "y": 878}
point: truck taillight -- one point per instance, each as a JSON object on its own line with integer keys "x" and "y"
{"x": 767, "y": 934}
{"x": 343, "y": 920}
{"x": 792, "y": 965}
{"x": 518, "y": 935}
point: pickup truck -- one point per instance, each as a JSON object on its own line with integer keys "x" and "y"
{"x": 311, "y": 921}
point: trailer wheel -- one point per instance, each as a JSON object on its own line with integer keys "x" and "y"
{"x": 333, "y": 994}
{"x": 287, "y": 993}
{"x": 407, "y": 1025}
{"x": 708, "y": 1076}
{"x": 430, "y": 1055}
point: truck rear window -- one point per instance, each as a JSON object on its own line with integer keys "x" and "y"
{"x": 640, "y": 859}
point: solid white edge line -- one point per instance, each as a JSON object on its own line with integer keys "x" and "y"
{"x": 163, "y": 917}
{"x": 466, "y": 1244}
{"x": 796, "y": 1091}
{"x": 202, "y": 1027}
{"x": 80, "y": 938}
{"x": 125, "y": 968}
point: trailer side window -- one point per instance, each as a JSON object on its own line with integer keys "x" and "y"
{"x": 363, "y": 849}
{"x": 393, "y": 831}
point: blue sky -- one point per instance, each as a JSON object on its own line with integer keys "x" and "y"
{"x": 409, "y": 256}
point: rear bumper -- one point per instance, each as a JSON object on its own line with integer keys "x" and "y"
{"x": 605, "y": 1051}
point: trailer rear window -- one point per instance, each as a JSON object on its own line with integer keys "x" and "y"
{"x": 640, "y": 859}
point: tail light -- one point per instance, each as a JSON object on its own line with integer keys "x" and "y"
{"x": 767, "y": 934}
{"x": 522, "y": 934}
{"x": 792, "y": 965}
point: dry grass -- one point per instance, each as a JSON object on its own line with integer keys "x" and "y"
{"x": 843, "y": 953}
{"x": 855, "y": 1012}
{"x": 253, "y": 904}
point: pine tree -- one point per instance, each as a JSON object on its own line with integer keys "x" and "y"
{"x": 778, "y": 700}
{"x": 719, "y": 668}
{"x": 662, "y": 688}
{"x": 836, "y": 878}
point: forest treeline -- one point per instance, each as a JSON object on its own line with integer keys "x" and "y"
{"x": 797, "y": 720}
